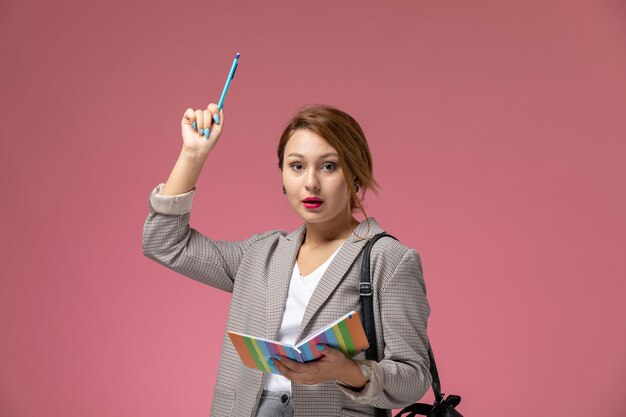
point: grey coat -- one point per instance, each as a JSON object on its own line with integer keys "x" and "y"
{"x": 257, "y": 272}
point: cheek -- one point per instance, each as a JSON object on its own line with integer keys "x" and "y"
{"x": 290, "y": 183}
{"x": 340, "y": 190}
{"x": 287, "y": 180}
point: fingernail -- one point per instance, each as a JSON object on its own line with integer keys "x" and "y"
{"x": 194, "y": 125}
{"x": 202, "y": 131}
{"x": 216, "y": 117}
{"x": 321, "y": 347}
{"x": 207, "y": 132}
{"x": 278, "y": 358}
{"x": 271, "y": 362}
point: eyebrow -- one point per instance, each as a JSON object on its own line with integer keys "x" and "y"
{"x": 326, "y": 155}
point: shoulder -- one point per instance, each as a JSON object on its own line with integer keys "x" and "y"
{"x": 268, "y": 238}
{"x": 388, "y": 247}
{"x": 390, "y": 253}
{"x": 390, "y": 257}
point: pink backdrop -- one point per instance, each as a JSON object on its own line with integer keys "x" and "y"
{"x": 498, "y": 137}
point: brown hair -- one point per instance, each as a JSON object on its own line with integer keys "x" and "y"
{"x": 344, "y": 134}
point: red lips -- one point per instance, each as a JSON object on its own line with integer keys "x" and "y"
{"x": 313, "y": 200}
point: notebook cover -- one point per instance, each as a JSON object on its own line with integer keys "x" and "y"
{"x": 345, "y": 334}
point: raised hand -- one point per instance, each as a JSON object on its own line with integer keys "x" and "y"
{"x": 200, "y": 131}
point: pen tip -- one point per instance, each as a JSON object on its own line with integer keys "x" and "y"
{"x": 237, "y": 56}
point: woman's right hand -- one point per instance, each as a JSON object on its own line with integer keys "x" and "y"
{"x": 198, "y": 143}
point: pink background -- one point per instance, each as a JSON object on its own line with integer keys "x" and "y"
{"x": 497, "y": 130}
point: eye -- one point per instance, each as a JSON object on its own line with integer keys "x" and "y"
{"x": 329, "y": 166}
{"x": 296, "y": 166}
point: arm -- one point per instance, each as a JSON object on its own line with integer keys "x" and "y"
{"x": 402, "y": 376}
{"x": 167, "y": 237}
{"x": 169, "y": 240}
{"x": 196, "y": 149}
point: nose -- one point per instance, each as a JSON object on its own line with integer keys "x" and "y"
{"x": 312, "y": 182}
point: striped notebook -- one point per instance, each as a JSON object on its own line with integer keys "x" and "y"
{"x": 345, "y": 334}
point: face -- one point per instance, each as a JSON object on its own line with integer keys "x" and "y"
{"x": 311, "y": 171}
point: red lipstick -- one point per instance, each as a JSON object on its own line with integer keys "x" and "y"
{"x": 312, "y": 202}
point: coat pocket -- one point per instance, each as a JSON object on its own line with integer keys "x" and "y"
{"x": 223, "y": 402}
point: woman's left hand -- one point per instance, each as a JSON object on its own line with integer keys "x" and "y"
{"x": 333, "y": 365}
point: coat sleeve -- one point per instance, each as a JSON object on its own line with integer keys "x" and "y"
{"x": 402, "y": 377}
{"x": 169, "y": 240}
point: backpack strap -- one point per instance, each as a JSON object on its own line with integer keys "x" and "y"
{"x": 367, "y": 305}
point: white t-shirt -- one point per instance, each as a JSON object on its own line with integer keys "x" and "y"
{"x": 300, "y": 291}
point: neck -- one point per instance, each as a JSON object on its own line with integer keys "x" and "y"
{"x": 322, "y": 233}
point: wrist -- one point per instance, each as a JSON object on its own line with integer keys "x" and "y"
{"x": 353, "y": 377}
{"x": 192, "y": 156}
{"x": 185, "y": 173}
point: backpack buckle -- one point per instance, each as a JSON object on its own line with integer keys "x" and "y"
{"x": 365, "y": 289}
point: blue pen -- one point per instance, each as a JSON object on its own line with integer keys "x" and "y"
{"x": 231, "y": 74}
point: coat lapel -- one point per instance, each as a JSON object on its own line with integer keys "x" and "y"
{"x": 280, "y": 272}
{"x": 338, "y": 268}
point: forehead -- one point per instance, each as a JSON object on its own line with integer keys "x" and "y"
{"x": 308, "y": 143}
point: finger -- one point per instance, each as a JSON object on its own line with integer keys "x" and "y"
{"x": 190, "y": 118}
{"x": 331, "y": 352}
{"x": 200, "y": 121}
{"x": 207, "y": 122}
{"x": 282, "y": 361}
{"x": 279, "y": 367}
{"x": 276, "y": 364}
{"x": 325, "y": 350}
{"x": 218, "y": 115}
{"x": 215, "y": 114}
{"x": 287, "y": 363}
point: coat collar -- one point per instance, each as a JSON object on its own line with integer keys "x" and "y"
{"x": 281, "y": 271}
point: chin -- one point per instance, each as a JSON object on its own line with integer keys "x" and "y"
{"x": 313, "y": 217}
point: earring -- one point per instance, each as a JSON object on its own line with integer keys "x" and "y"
{"x": 357, "y": 186}
{"x": 284, "y": 191}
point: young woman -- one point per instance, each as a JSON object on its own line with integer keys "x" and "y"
{"x": 287, "y": 285}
